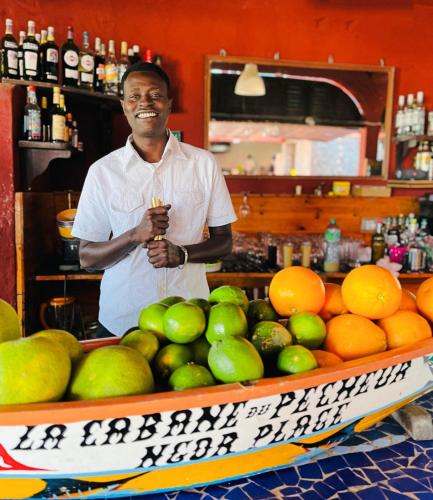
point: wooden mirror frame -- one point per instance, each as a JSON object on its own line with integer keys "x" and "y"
{"x": 389, "y": 70}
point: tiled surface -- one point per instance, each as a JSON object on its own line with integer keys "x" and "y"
{"x": 378, "y": 464}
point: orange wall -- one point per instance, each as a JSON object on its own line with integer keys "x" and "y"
{"x": 352, "y": 31}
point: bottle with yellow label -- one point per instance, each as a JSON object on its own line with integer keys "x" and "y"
{"x": 57, "y": 117}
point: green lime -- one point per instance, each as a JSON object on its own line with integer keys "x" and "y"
{"x": 260, "y": 310}
{"x": 235, "y": 359}
{"x": 184, "y": 322}
{"x": 226, "y": 319}
{"x": 65, "y": 338}
{"x": 296, "y": 359}
{"x": 308, "y": 328}
{"x": 200, "y": 349}
{"x": 145, "y": 342}
{"x": 269, "y": 338}
{"x": 190, "y": 376}
{"x": 228, "y": 293}
{"x": 170, "y": 301}
{"x": 111, "y": 371}
{"x": 10, "y": 325}
{"x": 151, "y": 319}
{"x": 170, "y": 357}
{"x": 202, "y": 303}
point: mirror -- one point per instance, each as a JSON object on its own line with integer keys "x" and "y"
{"x": 315, "y": 119}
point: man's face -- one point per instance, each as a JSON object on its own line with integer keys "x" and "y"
{"x": 146, "y": 104}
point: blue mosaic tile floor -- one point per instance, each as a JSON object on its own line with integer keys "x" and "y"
{"x": 382, "y": 463}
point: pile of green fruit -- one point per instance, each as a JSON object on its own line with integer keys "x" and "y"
{"x": 179, "y": 344}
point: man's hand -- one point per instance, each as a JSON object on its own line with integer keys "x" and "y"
{"x": 154, "y": 223}
{"x": 163, "y": 253}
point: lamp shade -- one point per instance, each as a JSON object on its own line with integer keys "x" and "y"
{"x": 250, "y": 83}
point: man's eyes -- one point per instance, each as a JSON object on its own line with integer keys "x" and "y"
{"x": 153, "y": 96}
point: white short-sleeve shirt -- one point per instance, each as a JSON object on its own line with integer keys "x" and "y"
{"x": 118, "y": 190}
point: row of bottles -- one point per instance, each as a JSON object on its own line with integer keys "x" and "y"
{"x": 410, "y": 118}
{"x": 405, "y": 240}
{"x": 423, "y": 159}
{"x": 49, "y": 125}
{"x": 36, "y": 57}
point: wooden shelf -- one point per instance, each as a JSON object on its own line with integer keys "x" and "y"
{"x": 410, "y": 184}
{"x": 65, "y": 89}
{"x": 408, "y": 138}
{"x": 45, "y": 145}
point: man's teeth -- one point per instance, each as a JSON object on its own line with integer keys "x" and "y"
{"x": 146, "y": 114}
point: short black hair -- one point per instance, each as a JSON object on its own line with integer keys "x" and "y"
{"x": 146, "y": 67}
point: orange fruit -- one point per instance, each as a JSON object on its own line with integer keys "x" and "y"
{"x": 405, "y": 327}
{"x": 295, "y": 289}
{"x": 408, "y": 301}
{"x": 324, "y": 358}
{"x": 371, "y": 291}
{"x": 350, "y": 336}
{"x": 424, "y": 299}
{"x": 334, "y": 304}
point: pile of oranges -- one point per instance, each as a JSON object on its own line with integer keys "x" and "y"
{"x": 369, "y": 313}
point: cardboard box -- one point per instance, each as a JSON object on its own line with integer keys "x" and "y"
{"x": 371, "y": 190}
{"x": 341, "y": 188}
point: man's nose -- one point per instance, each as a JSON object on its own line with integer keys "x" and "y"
{"x": 144, "y": 100}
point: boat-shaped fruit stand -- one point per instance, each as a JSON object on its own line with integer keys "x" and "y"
{"x": 175, "y": 440}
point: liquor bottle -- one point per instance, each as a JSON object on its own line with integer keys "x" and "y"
{"x": 74, "y": 135}
{"x": 136, "y": 57}
{"x": 86, "y": 65}
{"x": 392, "y": 237}
{"x": 409, "y": 116}
{"x": 419, "y": 114}
{"x": 42, "y": 41}
{"x": 377, "y": 244}
{"x": 45, "y": 120}
{"x": 70, "y": 60}
{"x": 9, "y": 53}
{"x": 99, "y": 73}
{"x": 110, "y": 84}
{"x": 62, "y": 108}
{"x": 157, "y": 60}
{"x": 20, "y": 55}
{"x": 68, "y": 127}
{"x": 426, "y": 157}
{"x": 130, "y": 55}
{"x": 148, "y": 56}
{"x": 57, "y": 118}
{"x": 122, "y": 65}
{"x": 332, "y": 237}
{"x": 30, "y": 53}
{"x": 399, "y": 117}
{"x": 32, "y": 116}
{"x": 50, "y": 58}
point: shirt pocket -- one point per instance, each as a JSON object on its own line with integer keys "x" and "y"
{"x": 126, "y": 211}
{"x": 188, "y": 210}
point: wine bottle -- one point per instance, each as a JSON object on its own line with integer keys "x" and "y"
{"x": 70, "y": 59}
{"x": 57, "y": 118}
{"x": 378, "y": 244}
{"x": 30, "y": 53}
{"x": 86, "y": 65}
{"x": 50, "y": 58}
{"x": 122, "y": 65}
{"x": 20, "y": 55}
{"x": 9, "y": 53}
{"x": 136, "y": 57}
{"x": 45, "y": 120}
{"x": 99, "y": 73}
{"x": 110, "y": 84}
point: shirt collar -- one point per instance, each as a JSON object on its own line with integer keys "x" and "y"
{"x": 172, "y": 147}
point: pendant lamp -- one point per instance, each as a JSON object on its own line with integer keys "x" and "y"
{"x": 250, "y": 83}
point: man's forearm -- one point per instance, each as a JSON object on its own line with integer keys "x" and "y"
{"x": 102, "y": 255}
{"x": 210, "y": 250}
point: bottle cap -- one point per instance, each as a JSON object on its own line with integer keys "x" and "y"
{"x": 420, "y": 96}
{"x": 8, "y": 21}
{"x": 136, "y": 48}
{"x": 31, "y": 88}
{"x": 31, "y": 24}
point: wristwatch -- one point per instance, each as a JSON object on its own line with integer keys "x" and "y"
{"x": 185, "y": 251}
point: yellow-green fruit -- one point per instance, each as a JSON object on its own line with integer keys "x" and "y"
{"x": 260, "y": 310}
{"x": 10, "y": 327}
{"x": 200, "y": 349}
{"x": 296, "y": 359}
{"x": 33, "y": 370}
{"x": 269, "y": 338}
{"x": 308, "y": 328}
{"x": 170, "y": 357}
{"x": 184, "y": 322}
{"x": 69, "y": 341}
{"x": 226, "y": 319}
{"x": 146, "y": 343}
{"x": 228, "y": 293}
{"x": 170, "y": 301}
{"x": 190, "y": 376}
{"x": 109, "y": 372}
{"x": 202, "y": 303}
{"x": 234, "y": 359}
{"x": 151, "y": 319}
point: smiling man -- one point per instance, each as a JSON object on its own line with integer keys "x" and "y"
{"x": 117, "y": 227}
